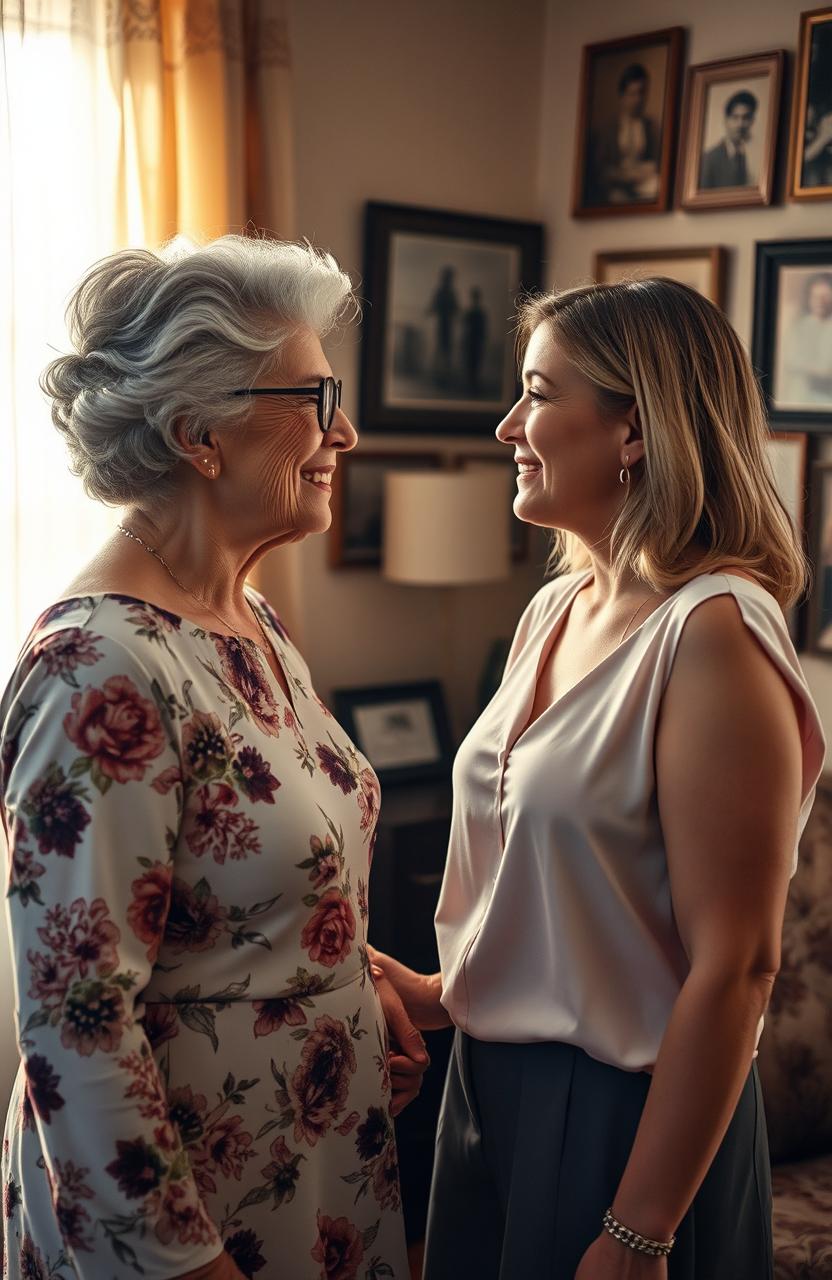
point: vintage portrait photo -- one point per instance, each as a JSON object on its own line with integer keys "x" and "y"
{"x": 731, "y": 119}
{"x": 703, "y": 267}
{"x": 810, "y": 151}
{"x": 437, "y": 331}
{"x": 803, "y": 346}
{"x": 627, "y": 123}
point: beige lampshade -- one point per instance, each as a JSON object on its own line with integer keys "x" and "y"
{"x": 446, "y": 527}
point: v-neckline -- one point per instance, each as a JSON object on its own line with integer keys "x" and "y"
{"x": 555, "y": 628}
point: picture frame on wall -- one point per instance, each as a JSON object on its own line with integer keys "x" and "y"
{"x": 810, "y": 139}
{"x": 729, "y": 143}
{"x": 792, "y": 338}
{"x": 402, "y": 729}
{"x": 437, "y": 340}
{"x": 788, "y": 454}
{"x": 702, "y": 267}
{"x": 819, "y": 624}
{"x": 624, "y": 148}
{"x": 355, "y": 535}
{"x": 519, "y": 532}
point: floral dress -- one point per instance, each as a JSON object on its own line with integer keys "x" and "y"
{"x": 203, "y": 1053}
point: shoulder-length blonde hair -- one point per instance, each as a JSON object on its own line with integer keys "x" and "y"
{"x": 704, "y": 496}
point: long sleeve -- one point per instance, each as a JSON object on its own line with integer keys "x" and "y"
{"x": 91, "y": 808}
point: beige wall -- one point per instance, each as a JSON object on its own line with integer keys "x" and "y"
{"x": 435, "y": 104}
{"x": 715, "y": 30}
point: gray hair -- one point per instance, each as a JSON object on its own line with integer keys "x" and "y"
{"x": 162, "y": 337}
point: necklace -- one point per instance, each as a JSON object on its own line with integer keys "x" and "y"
{"x": 632, "y": 620}
{"x": 152, "y": 551}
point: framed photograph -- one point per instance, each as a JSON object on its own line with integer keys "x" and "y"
{"x": 437, "y": 339}
{"x": 402, "y": 729}
{"x": 819, "y": 628}
{"x": 810, "y": 141}
{"x": 519, "y": 540}
{"x": 729, "y": 143}
{"x": 788, "y": 454}
{"x": 703, "y": 268}
{"x": 627, "y": 125}
{"x": 792, "y": 343}
{"x": 358, "y": 504}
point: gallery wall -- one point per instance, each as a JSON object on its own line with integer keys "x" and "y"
{"x": 714, "y": 31}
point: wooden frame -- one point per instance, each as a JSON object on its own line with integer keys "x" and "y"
{"x": 423, "y": 704}
{"x": 807, "y": 115}
{"x": 519, "y": 535}
{"x": 606, "y": 266}
{"x": 589, "y": 184}
{"x": 804, "y": 399}
{"x": 703, "y": 167}
{"x": 437, "y": 349}
{"x": 346, "y": 551}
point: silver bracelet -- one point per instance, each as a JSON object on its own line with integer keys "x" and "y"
{"x": 632, "y": 1239}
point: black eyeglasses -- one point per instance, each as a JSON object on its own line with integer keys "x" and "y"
{"x": 328, "y": 393}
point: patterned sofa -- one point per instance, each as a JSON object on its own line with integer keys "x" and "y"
{"x": 795, "y": 1062}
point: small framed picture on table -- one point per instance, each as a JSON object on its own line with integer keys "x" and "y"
{"x": 402, "y": 729}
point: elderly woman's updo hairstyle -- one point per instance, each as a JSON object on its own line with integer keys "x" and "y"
{"x": 706, "y": 483}
{"x": 163, "y": 337}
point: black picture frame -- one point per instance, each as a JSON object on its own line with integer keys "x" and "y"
{"x": 818, "y": 636}
{"x": 812, "y": 258}
{"x": 431, "y": 722}
{"x": 605, "y": 70}
{"x": 418, "y": 382}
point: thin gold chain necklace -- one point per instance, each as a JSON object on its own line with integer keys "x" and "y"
{"x": 128, "y": 533}
{"x": 632, "y": 620}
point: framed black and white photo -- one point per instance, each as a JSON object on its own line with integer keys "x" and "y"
{"x": 810, "y": 140}
{"x": 788, "y": 455}
{"x": 518, "y": 538}
{"x": 792, "y": 343}
{"x": 627, "y": 125}
{"x": 819, "y": 629}
{"x": 437, "y": 332}
{"x": 703, "y": 267}
{"x": 402, "y": 729}
{"x": 731, "y": 114}
{"x": 355, "y": 535}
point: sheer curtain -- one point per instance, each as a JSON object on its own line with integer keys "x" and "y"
{"x": 122, "y": 122}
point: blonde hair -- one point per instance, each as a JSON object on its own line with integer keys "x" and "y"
{"x": 704, "y": 496}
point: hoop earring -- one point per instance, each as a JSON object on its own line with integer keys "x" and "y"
{"x": 624, "y": 473}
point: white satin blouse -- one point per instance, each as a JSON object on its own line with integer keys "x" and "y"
{"x": 555, "y": 919}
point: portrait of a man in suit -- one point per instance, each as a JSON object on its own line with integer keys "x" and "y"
{"x": 727, "y": 163}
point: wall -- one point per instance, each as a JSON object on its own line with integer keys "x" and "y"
{"x": 715, "y": 30}
{"x": 434, "y": 104}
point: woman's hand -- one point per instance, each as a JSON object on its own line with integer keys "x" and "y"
{"x": 608, "y": 1259}
{"x": 408, "y": 1059}
{"x": 419, "y": 992}
{"x": 222, "y": 1267}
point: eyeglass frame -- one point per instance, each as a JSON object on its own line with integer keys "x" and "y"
{"x": 318, "y": 392}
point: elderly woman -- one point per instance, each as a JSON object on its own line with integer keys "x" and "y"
{"x": 205, "y": 1086}
{"x": 626, "y": 818}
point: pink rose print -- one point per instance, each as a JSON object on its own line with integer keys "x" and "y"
{"x": 224, "y": 1148}
{"x": 117, "y": 729}
{"x": 339, "y": 1248}
{"x": 245, "y": 674}
{"x": 82, "y": 938}
{"x": 319, "y": 1088}
{"x": 369, "y": 801}
{"x": 66, "y": 651}
{"x": 328, "y": 934}
{"x": 146, "y": 913}
{"x": 182, "y": 1216}
{"x": 337, "y": 767}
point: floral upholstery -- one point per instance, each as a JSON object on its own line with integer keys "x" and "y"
{"x": 795, "y": 1062}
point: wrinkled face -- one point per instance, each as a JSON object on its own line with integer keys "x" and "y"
{"x": 279, "y": 465}
{"x": 633, "y": 98}
{"x": 738, "y": 123}
{"x": 820, "y": 299}
{"x": 568, "y": 453}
